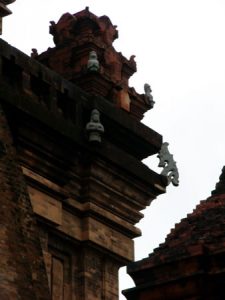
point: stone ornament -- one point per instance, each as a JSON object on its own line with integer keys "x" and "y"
{"x": 168, "y": 164}
{"x": 34, "y": 53}
{"x": 148, "y": 95}
{"x": 94, "y": 128}
{"x": 93, "y": 63}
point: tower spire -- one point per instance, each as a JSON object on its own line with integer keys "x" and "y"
{"x": 84, "y": 54}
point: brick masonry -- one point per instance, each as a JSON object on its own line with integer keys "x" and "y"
{"x": 22, "y": 270}
{"x": 83, "y": 200}
{"x": 191, "y": 262}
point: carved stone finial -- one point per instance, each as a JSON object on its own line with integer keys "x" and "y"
{"x": 148, "y": 95}
{"x": 132, "y": 58}
{"x": 94, "y": 128}
{"x": 93, "y": 63}
{"x": 167, "y": 162}
{"x": 52, "y": 27}
{"x": 34, "y": 53}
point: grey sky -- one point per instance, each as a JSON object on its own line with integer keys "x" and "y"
{"x": 180, "y": 51}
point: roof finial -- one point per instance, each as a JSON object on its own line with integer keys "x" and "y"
{"x": 220, "y": 186}
{"x": 34, "y": 53}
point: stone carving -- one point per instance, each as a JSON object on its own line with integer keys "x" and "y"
{"x": 34, "y": 53}
{"x": 94, "y": 128}
{"x": 148, "y": 95}
{"x": 132, "y": 61}
{"x": 52, "y": 30}
{"x": 93, "y": 63}
{"x": 167, "y": 162}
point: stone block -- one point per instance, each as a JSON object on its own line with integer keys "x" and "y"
{"x": 46, "y": 206}
{"x": 108, "y": 238}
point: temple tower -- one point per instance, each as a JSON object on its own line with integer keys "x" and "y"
{"x": 78, "y": 140}
{"x": 76, "y": 37}
{"x": 190, "y": 264}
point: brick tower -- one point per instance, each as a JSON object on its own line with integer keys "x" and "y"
{"x": 191, "y": 262}
{"x": 75, "y": 37}
{"x": 77, "y": 144}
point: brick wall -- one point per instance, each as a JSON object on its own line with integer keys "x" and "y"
{"x": 22, "y": 270}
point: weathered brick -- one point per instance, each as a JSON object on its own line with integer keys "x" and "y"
{"x": 21, "y": 263}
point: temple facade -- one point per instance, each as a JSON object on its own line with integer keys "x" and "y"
{"x": 72, "y": 181}
{"x": 72, "y": 178}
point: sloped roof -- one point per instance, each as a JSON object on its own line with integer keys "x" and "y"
{"x": 195, "y": 248}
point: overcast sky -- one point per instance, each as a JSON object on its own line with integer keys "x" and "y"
{"x": 180, "y": 51}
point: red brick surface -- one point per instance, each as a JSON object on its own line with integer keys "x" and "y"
{"x": 22, "y": 270}
{"x": 86, "y": 198}
{"x": 191, "y": 262}
{"x": 75, "y": 36}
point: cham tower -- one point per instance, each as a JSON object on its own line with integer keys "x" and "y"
{"x": 191, "y": 263}
{"x": 72, "y": 178}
